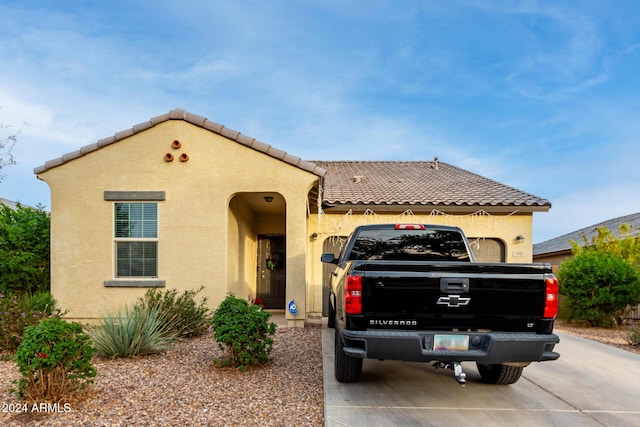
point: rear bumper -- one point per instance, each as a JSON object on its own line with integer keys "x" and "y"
{"x": 417, "y": 346}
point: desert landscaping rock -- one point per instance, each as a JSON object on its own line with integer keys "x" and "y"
{"x": 183, "y": 387}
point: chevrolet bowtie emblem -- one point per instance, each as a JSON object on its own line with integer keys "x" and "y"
{"x": 454, "y": 301}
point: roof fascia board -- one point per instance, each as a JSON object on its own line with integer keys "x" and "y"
{"x": 428, "y": 208}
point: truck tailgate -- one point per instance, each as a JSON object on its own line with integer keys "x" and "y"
{"x": 453, "y": 295}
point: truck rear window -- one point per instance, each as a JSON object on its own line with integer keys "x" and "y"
{"x": 409, "y": 245}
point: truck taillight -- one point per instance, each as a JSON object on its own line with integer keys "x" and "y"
{"x": 551, "y": 297}
{"x": 353, "y": 295}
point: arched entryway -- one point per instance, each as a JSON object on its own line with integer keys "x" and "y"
{"x": 257, "y": 242}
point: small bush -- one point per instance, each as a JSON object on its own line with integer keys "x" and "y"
{"x": 598, "y": 286}
{"x": 131, "y": 331}
{"x": 54, "y": 360}
{"x": 245, "y": 331}
{"x": 15, "y": 316}
{"x": 634, "y": 335}
{"x": 43, "y": 302}
{"x": 185, "y": 316}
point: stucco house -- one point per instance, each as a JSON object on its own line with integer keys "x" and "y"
{"x": 180, "y": 201}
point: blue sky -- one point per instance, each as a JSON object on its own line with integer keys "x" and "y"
{"x": 542, "y": 96}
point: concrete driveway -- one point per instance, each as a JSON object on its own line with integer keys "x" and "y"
{"x": 590, "y": 385}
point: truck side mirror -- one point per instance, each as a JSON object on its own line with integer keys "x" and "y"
{"x": 329, "y": 258}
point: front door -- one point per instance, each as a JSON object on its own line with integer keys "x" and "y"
{"x": 271, "y": 280}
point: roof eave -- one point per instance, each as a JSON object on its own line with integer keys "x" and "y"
{"x": 428, "y": 207}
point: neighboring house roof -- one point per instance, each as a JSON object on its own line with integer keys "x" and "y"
{"x": 8, "y": 203}
{"x": 419, "y": 183}
{"x": 561, "y": 244}
{"x": 193, "y": 119}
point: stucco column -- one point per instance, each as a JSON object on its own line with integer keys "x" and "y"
{"x": 296, "y": 258}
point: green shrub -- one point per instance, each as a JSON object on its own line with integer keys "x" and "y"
{"x": 43, "y": 302}
{"x": 185, "y": 316}
{"x": 245, "y": 331}
{"x": 15, "y": 316}
{"x": 634, "y": 335}
{"x": 54, "y": 360}
{"x": 598, "y": 286}
{"x": 24, "y": 249}
{"x": 131, "y": 331}
{"x": 564, "y": 309}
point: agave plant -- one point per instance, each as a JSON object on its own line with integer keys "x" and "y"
{"x": 131, "y": 331}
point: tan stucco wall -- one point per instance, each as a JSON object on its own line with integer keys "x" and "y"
{"x": 242, "y": 243}
{"x": 501, "y": 226}
{"x": 205, "y": 238}
{"x": 554, "y": 260}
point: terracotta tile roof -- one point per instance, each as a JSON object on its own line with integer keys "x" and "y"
{"x": 193, "y": 119}
{"x": 561, "y": 243}
{"x": 359, "y": 183}
{"x": 423, "y": 183}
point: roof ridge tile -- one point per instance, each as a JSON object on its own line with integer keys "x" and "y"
{"x": 194, "y": 118}
{"x": 106, "y": 141}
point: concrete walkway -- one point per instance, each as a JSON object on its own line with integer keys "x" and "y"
{"x": 591, "y": 385}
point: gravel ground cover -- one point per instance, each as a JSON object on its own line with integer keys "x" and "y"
{"x": 182, "y": 387}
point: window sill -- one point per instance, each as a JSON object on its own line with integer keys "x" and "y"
{"x": 139, "y": 283}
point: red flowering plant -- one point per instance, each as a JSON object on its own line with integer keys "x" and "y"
{"x": 54, "y": 360}
{"x": 257, "y": 301}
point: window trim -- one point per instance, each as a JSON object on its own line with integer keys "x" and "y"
{"x": 138, "y": 196}
{"x": 135, "y": 283}
{"x": 134, "y": 197}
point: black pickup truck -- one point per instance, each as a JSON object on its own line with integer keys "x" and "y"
{"x": 414, "y": 292}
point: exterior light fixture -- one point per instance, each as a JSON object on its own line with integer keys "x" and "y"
{"x": 520, "y": 238}
{"x": 314, "y": 236}
{"x": 268, "y": 199}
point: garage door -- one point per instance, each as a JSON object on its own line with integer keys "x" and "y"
{"x": 487, "y": 250}
{"x": 333, "y": 245}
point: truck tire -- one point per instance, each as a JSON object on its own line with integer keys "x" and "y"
{"x": 499, "y": 374}
{"x": 347, "y": 369}
{"x": 331, "y": 320}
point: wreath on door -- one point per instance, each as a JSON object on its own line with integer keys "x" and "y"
{"x": 274, "y": 262}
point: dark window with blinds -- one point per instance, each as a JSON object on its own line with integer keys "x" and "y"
{"x": 136, "y": 235}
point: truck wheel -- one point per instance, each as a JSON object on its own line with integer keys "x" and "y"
{"x": 331, "y": 321}
{"x": 347, "y": 369}
{"x": 499, "y": 374}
